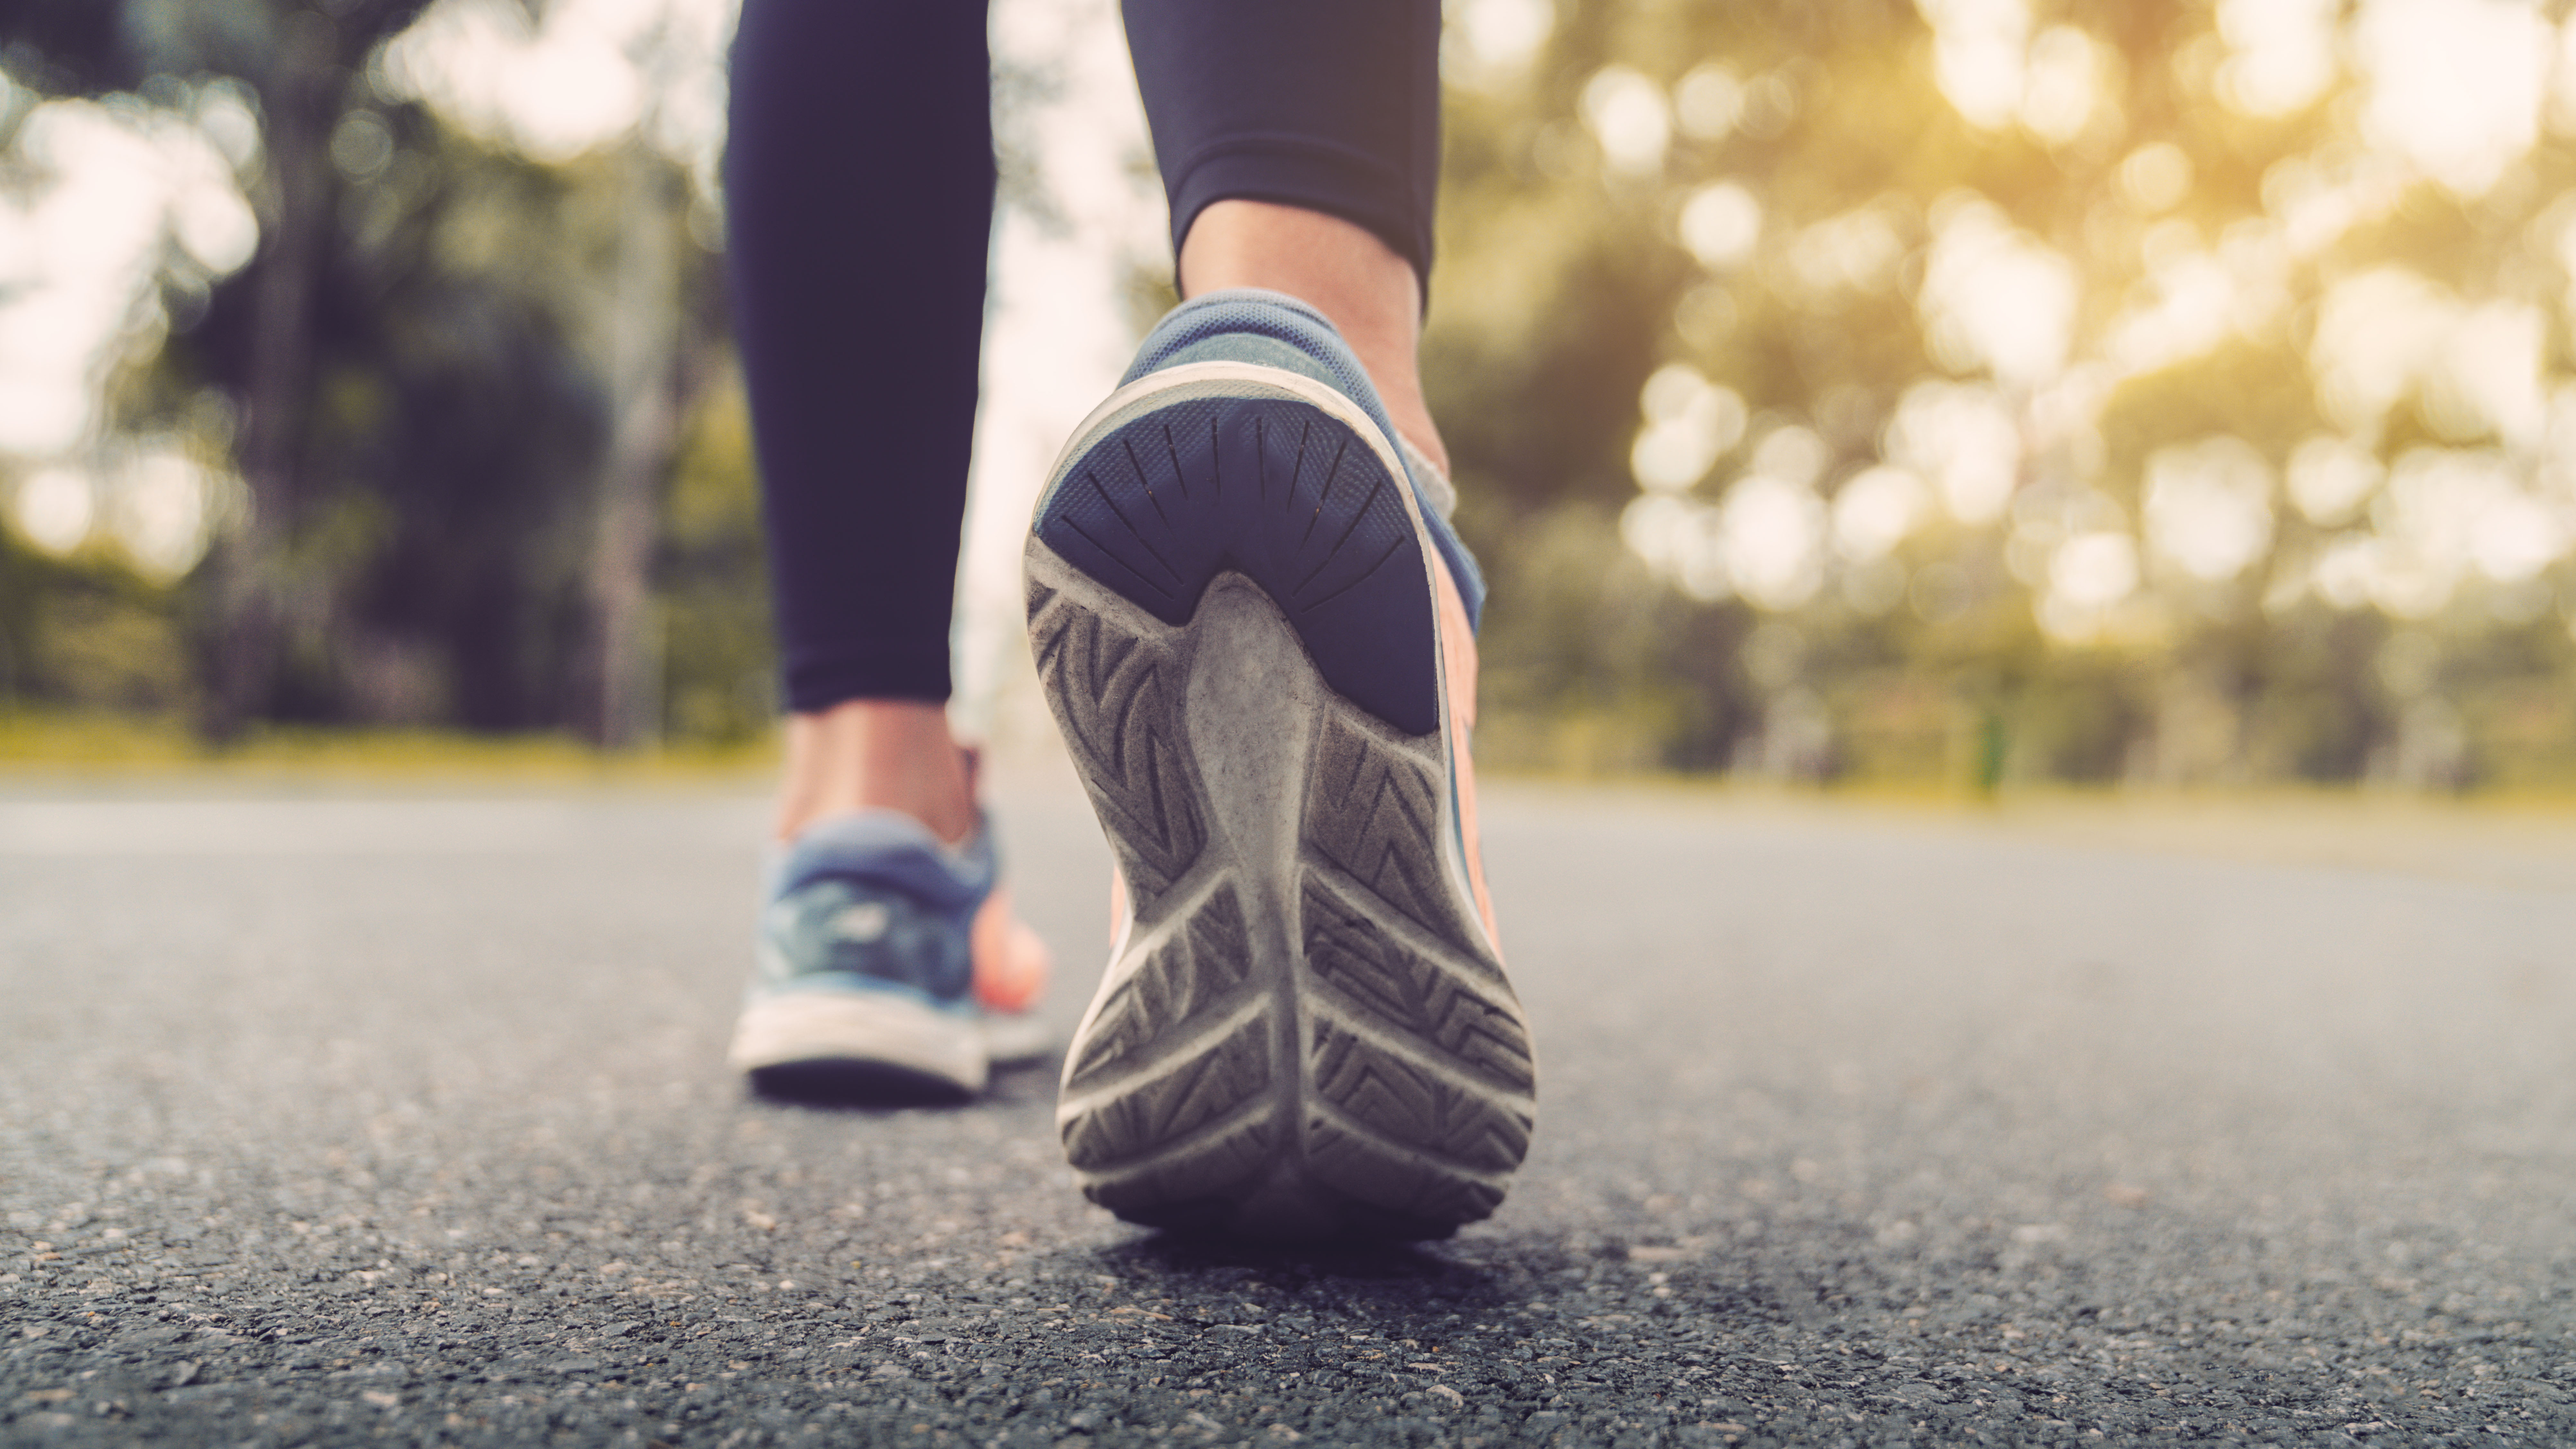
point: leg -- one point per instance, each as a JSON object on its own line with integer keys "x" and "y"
{"x": 1300, "y": 147}
{"x": 860, "y": 187}
{"x": 875, "y": 754}
{"x": 1341, "y": 270}
{"x": 860, "y": 182}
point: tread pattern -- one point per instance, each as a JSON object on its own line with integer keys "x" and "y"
{"x": 1160, "y": 501}
{"x": 1373, "y": 808}
{"x": 1414, "y": 1105}
{"x": 1192, "y": 1190}
{"x": 1414, "y": 996}
{"x": 1198, "y": 973}
{"x": 1406, "y": 1095}
{"x": 1146, "y": 1117}
{"x": 1463, "y": 1095}
{"x": 1406, "y": 1185}
{"x": 1116, "y": 706}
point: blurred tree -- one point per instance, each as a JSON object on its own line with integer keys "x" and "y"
{"x": 1987, "y": 390}
{"x": 2139, "y": 375}
{"x": 711, "y": 580}
{"x": 457, "y": 373}
{"x": 301, "y": 61}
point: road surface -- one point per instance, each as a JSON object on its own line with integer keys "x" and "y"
{"x": 329, "y": 1119}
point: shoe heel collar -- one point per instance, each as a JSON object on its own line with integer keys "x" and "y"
{"x": 887, "y": 847}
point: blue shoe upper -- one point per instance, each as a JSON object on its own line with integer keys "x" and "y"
{"x": 1247, "y": 324}
{"x": 874, "y": 902}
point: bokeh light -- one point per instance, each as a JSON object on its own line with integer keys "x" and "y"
{"x": 2065, "y": 371}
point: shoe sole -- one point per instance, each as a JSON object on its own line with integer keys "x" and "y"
{"x": 851, "y": 1046}
{"x": 1304, "y": 1031}
{"x": 1015, "y": 1039}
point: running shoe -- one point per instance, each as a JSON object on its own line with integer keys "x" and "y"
{"x": 1258, "y": 641}
{"x": 889, "y": 968}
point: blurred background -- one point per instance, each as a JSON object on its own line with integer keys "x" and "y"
{"x": 1948, "y": 395}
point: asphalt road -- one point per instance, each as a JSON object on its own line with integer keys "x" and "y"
{"x": 337, "y": 1120}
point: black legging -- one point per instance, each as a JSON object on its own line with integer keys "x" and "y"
{"x": 859, "y": 189}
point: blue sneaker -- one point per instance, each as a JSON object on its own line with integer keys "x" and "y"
{"x": 1256, "y": 631}
{"x": 888, "y": 967}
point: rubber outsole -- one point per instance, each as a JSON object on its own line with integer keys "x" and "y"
{"x": 1304, "y": 1031}
{"x": 853, "y": 1082}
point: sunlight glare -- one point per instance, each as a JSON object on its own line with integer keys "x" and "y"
{"x": 1501, "y": 37}
{"x": 161, "y": 511}
{"x": 2193, "y": 312}
{"x": 1962, "y": 439}
{"x": 1627, "y": 114}
{"x": 2094, "y": 571}
{"x": 1679, "y": 540}
{"x": 2454, "y": 85}
{"x": 1708, "y": 102}
{"x": 2063, "y": 85}
{"x": 1792, "y": 454}
{"x": 108, "y": 193}
{"x": 2374, "y": 333}
{"x": 1977, "y": 57}
{"x": 1996, "y": 297}
{"x": 2445, "y": 514}
{"x": 54, "y": 508}
{"x": 1690, "y": 423}
{"x": 2486, "y": 381}
{"x": 1877, "y": 510}
{"x": 555, "y": 88}
{"x": 2156, "y": 177}
{"x": 1772, "y": 533}
{"x": 2208, "y": 507}
{"x": 2469, "y": 507}
{"x": 1857, "y": 251}
{"x": 2283, "y": 53}
{"x": 2330, "y": 478}
{"x": 1721, "y": 224}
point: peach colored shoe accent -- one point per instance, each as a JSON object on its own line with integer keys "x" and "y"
{"x": 1011, "y": 963}
{"x": 1458, "y": 675}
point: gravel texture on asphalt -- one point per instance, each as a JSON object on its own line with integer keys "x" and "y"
{"x": 329, "y": 1120}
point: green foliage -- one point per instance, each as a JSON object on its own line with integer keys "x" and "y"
{"x": 422, "y": 354}
{"x": 1580, "y": 645}
{"x": 87, "y": 633}
{"x": 427, "y": 547}
{"x": 435, "y": 562}
{"x": 719, "y": 665}
{"x": 1567, "y": 279}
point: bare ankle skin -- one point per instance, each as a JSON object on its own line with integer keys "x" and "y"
{"x": 876, "y": 754}
{"x": 1339, "y": 269}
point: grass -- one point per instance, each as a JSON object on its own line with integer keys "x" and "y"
{"x": 2520, "y": 838}
{"x": 75, "y": 748}
{"x": 71, "y": 748}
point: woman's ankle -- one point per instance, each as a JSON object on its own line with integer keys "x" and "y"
{"x": 1341, "y": 270}
{"x": 876, "y": 754}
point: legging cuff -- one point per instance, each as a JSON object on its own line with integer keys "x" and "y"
{"x": 818, "y": 679}
{"x": 1304, "y": 171}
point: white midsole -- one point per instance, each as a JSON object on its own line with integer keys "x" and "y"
{"x": 877, "y": 1028}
